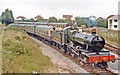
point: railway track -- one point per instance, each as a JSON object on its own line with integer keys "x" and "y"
{"x": 87, "y": 67}
{"x": 112, "y": 48}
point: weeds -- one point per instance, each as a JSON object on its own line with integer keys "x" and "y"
{"x": 16, "y": 48}
{"x": 17, "y": 37}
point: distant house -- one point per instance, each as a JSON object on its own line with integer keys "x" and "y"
{"x": 38, "y": 17}
{"x": 67, "y": 16}
{"x": 21, "y": 17}
{"x": 93, "y": 18}
{"x": 113, "y": 23}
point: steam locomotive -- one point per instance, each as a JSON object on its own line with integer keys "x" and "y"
{"x": 85, "y": 47}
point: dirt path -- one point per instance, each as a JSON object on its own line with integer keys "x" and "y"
{"x": 64, "y": 64}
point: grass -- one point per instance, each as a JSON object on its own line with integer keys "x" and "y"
{"x": 21, "y": 54}
{"x": 0, "y": 51}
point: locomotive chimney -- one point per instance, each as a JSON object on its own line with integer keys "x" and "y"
{"x": 93, "y": 31}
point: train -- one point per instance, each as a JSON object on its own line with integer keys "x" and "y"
{"x": 62, "y": 25}
{"x": 87, "y": 48}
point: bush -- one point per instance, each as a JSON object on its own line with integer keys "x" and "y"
{"x": 19, "y": 49}
{"x": 17, "y": 38}
{"x": 5, "y": 29}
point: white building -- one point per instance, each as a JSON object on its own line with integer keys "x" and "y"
{"x": 93, "y": 18}
{"x": 113, "y": 23}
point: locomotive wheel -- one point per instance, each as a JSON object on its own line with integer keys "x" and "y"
{"x": 50, "y": 43}
{"x": 62, "y": 49}
{"x": 58, "y": 46}
{"x": 104, "y": 65}
{"x": 68, "y": 52}
{"x": 73, "y": 55}
{"x": 54, "y": 44}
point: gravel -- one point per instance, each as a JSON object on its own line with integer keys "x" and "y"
{"x": 63, "y": 63}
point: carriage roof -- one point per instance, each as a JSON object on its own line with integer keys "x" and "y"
{"x": 17, "y": 24}
{"x": 44, "y": 27}
{"x": 59, "y": 23}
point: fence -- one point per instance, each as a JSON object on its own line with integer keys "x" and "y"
{"x": 108, "y": 35}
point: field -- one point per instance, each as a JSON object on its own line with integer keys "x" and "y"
{"x": 20, "y": 54}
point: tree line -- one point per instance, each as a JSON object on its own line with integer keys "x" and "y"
{"x": 40, "y": 18}
{"x": 99, "y": 22}
{"x": 7, "y": 18}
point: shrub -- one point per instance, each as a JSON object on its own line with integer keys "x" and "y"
{"x": 5, "y": 29}
{"x": 17, "y": 38}
{"x": 23, "y": 36}
{"x": 20, "y": 49}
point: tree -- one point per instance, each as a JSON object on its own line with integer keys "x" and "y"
{"x": 68, "y": 20}
{"x": 61, "y": 20}
{"x": 101, "y": 22}
{"x": 80, "y": 21}
{"x": 52, "y": 19}
{"x": 0, "y": 18}
{"x": 31, "y": 20}
{"x": 7, "y": 17}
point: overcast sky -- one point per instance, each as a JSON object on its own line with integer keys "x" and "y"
{"x": 48, "y": 8}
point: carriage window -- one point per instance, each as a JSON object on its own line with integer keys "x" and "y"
{"x": 47, "y": 32}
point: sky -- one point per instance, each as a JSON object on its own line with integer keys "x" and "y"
{"x": 58, "y": 8}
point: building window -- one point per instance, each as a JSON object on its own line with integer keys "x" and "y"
{"x": 110, "y": 26}
{"x": 110, "y": 21}
{"x": 115, "y": 20}
{"x": 115, "y": 26}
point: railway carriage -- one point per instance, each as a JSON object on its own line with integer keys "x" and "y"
{"x": 30, "y": 28}
{"x": 62, "y": 25}
{"x": 44, "y": 31}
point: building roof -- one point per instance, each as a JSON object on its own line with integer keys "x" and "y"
{"x": 38, "y": 16}
{"x": 21, "y": 17}
{"x": 114, "y": 17}
{"x": 67, "y": 16}
{"x": 92, "y": 17}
